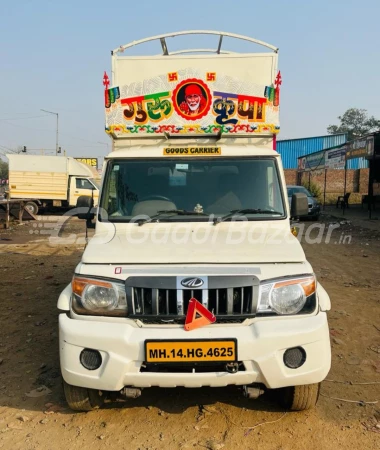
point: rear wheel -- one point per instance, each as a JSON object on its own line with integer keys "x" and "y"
{"x": 300, "y": 398}
{"x": 82, "y": 399}
{"x": 32, "y": 207}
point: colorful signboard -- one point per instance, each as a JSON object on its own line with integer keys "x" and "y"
{"x": 188, "y": 102}
{"x": 314, "y": 161}
{"x": 360, "y": 148}
{"x": 335, "y": 158}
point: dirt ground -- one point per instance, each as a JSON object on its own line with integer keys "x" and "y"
{"x": 32, "y": 274}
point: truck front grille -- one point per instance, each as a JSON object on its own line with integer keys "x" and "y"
{"x": 156, "y": 300}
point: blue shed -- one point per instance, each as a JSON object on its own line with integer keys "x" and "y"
{"x": 291, "y": 149}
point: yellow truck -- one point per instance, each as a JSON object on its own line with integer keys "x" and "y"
{"x": 50, "y": 182}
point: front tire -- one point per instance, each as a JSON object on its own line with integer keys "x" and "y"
{"x": 82, "y": 399}
{"x": 300, "y": 398}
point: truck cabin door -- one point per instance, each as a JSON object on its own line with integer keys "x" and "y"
{"x": 82, "y": 186}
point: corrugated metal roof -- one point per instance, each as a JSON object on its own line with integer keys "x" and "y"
{"x": 358, "y": 163}
{"x": 291, "y": 149}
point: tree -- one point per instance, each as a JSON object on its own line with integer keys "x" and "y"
{"x": 356, "y": 123}
{"x": 3, "y": 170}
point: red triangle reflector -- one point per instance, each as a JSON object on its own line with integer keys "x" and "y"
{"x": 196, "y": 308}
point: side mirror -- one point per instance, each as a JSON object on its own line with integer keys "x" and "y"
{"x": 85, "y": 205}
{"x": 299, "y": 206}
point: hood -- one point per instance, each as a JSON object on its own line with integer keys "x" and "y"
{"x": 194, "y": 243}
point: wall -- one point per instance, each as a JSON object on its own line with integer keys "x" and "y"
{"x": 290, "y": 176}
{"x": 356, "y": 181}
{"x": 363, "y": 181}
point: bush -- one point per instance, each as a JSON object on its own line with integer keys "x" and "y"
{"x": 314, "y": 189}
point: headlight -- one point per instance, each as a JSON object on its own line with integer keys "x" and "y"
{"x": 287, "y": 296}
{"x": 98, "y": 297}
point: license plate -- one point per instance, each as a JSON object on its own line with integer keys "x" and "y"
{"x": 158, "y": 351}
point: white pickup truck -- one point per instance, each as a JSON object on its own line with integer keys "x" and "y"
{"x": 193, "y": 277}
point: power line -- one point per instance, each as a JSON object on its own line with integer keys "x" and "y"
{"x": 21, "y": 113}
{"x": 24, "y": 118}
{"x": 27, "y": 128}
{"x": 44, "y": 129}
{"x": 7, "y": 148}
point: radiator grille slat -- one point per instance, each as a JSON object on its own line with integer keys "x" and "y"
{"x": 167, "y": 301}
{"x": 205, "y": 298}
{"x": 180, "y": 311}
{"x": 155, "y": 310}
{"x": 230, "y": 300}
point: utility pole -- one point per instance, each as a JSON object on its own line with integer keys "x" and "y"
{"x": 56, "y": 140}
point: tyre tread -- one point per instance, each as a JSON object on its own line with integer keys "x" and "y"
{"x": 77, "y": 398}
{"x": 301, "y": 398}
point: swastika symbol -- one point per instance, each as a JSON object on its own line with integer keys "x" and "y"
{"x": 211, "y": 76}
{"x": 173, "y": 76}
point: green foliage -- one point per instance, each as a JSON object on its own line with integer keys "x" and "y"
{"x": 314, "y": 189}
{"x": 356, "y": 123}
{"x": 3, "y": 170}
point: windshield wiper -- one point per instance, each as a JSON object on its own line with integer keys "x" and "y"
{"x": 179, "y": 212}
{"x": 237, "y": 212}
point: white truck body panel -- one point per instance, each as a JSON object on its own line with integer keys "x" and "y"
{"x": 240, "y": 95}
{"x": 259, "y": 67}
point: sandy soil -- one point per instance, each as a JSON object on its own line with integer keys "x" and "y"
{"x": 32, "y": 274}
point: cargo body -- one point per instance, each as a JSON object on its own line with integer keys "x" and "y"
{"x": 50, "y": 181}
{"x": 193, "y": 277}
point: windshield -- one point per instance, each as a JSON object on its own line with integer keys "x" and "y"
{"x": 298, "y": 190}
{"x": 145, "y": 187}
{"x": 94, "y": 182}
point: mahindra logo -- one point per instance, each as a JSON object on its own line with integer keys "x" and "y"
{"x": 192, "y": 282}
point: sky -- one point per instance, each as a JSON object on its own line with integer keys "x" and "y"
{"x": 53, "y": 55}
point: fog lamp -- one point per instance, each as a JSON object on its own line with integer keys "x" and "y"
{"x": 294, "y": 357}
{"x": 90, "y": 359}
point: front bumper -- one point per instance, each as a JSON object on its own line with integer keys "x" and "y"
{"x": 314, "y": 210}
{"x": 261, "y": 346}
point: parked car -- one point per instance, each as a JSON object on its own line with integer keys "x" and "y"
{"x": 314, "y": 206}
